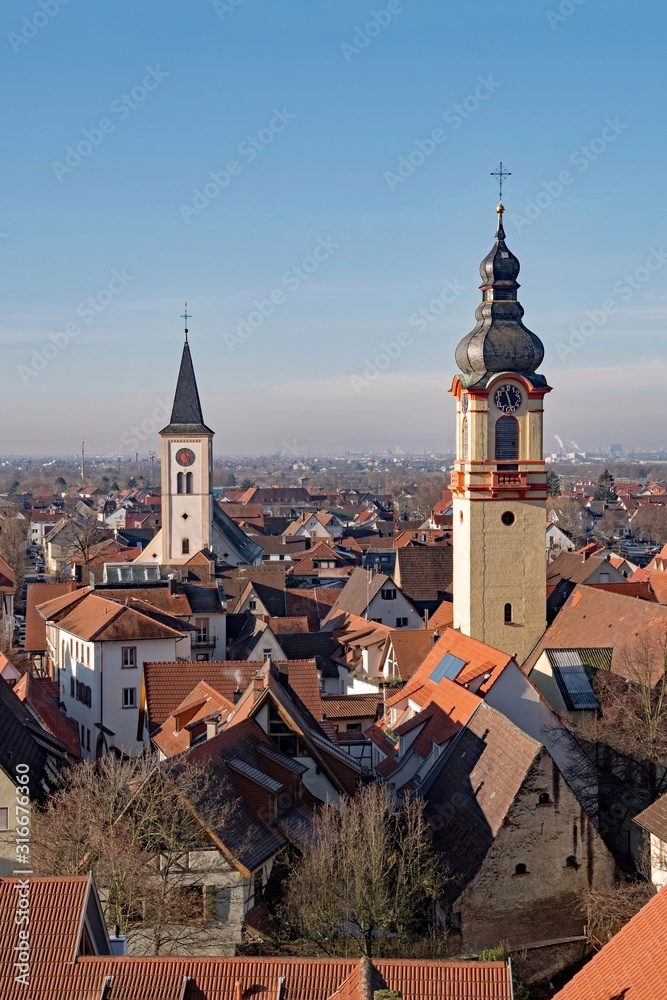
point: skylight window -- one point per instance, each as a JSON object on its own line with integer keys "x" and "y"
{"x": 450, "y": 666}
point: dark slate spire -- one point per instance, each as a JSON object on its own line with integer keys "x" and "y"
{"x": 186, "y": 414}
{"x": 500, "y": 342}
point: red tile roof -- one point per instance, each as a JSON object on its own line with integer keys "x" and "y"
{"x": 35, "y": 625}
{"x": 596, "y": 618}
{"x": 96, "y": 618}
{"x": 478, "y": 658}
{"x": 351, "y": 706}
{"x": 34, "y": 691}
{"x": 57, "y": 972}
{"x": 169, "y": 683}
{"x": 654, "y": 819}
{"x": 633, "y": 965}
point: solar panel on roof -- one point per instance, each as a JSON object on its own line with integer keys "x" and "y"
{"x": 573, "y": 681}
{"x": 450, "y": 666}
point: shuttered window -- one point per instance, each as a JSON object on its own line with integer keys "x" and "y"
{"x": 507, "y": 439}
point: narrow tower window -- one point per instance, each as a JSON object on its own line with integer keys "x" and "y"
{"x": 185, "y": 547}
{"x": 507, "y": 614}
{"x": 507, "y": 439}
{"x": 180, "y": 482}
{"x": 188, "y": 482}
{"x": 465, "y": 443}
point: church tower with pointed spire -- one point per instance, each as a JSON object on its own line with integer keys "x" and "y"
{"x": 186, "y": 464}
{"x": 499, "y": 479}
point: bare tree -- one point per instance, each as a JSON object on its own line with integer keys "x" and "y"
{"x": 569, "y": 516}
{"x": 609, "y": 529}
{"x": 134, "y": 823}
{"x": 367, "y": 871}
{"x": 84, "y": 532}
{"x": 649, "y": 524}
{"x": 428, "y": 492}
{"x": 607, "y": 910}
{"x": 13, "y": 533}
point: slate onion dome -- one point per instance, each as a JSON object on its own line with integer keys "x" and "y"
{"x": 500, "y": 342}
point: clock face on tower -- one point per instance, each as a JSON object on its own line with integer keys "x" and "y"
{"x": 184, "y": 456}
{"x": 507, "y": 398}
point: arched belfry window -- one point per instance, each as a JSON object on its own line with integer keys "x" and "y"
{"x": 188, "y": 482}
{"x": 465, "y": 440}
{"x": 507, "y": 614}
{"x": 180, "y": 482}
{"x": 507, "y": 439}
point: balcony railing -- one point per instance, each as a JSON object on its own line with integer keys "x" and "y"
{"x": 509, "y": 480}
{"x": 204, "y": 637}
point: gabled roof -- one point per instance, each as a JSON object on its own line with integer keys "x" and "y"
{"x": 247, "y": 550}
{"x": 186, "y": 413}
{"x": 358, "y": 592}
{"x": 25, "y": 741}
{"x": 35, "y": 624}
{"x": 169, "y": 683}
{"x": 469, "y": 660}
{"x": 482, "y": 772}
{"x": 654, "y": 819}
{"x": 410, "y": 647}
{"x": 6, "y": 577}
{"x": 175, "y": 735}
{"x": 425, "y": 573}
{"x": 595, "y": 618}
{"x": 98, "y": 619}
{"x": 60, "y": 905}
{"x": 633, "y": 965}
{"x": 33, "y": 692}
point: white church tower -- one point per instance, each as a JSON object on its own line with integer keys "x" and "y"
{"x": 191, "y": 521}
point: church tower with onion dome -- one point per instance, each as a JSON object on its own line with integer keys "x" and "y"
{"x": 499, "y": 480}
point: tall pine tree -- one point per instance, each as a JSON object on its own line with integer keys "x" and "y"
{"x": 606, "y": 488}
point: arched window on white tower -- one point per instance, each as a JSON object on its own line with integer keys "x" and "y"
{"x": 465, "y": 440}
{"x": 180, "y": 483}
{"x": 507, "y": 439}
{"x": 188, "y": 482}
{"x": 185, "y": 547}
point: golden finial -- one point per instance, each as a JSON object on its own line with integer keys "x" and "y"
{"x": 500, "y": 209}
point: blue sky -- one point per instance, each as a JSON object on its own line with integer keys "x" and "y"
{"x": 313, "y": 103}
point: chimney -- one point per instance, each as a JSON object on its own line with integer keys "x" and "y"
{"x": 257, "y": 685}
{"x": 237, "y": 696}
{"x": 212, "y": 726}
{"x": 435, "y": 637}
{"x": 366, "y": 977}
{"x": 118, "y": 942}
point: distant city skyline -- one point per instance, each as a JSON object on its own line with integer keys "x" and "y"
{"x": 316, "y": 184}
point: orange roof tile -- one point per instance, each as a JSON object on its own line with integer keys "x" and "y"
{"x": 633, "y": 965}
{"x": 34, "y": 692}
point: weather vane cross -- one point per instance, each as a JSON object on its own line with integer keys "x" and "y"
{"x": 500, "y": 173}
{"x": 186, "y": 316}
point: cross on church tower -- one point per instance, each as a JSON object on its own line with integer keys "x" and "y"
{"x": 186, "y": 316}
{"x": 500, "y": 173}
